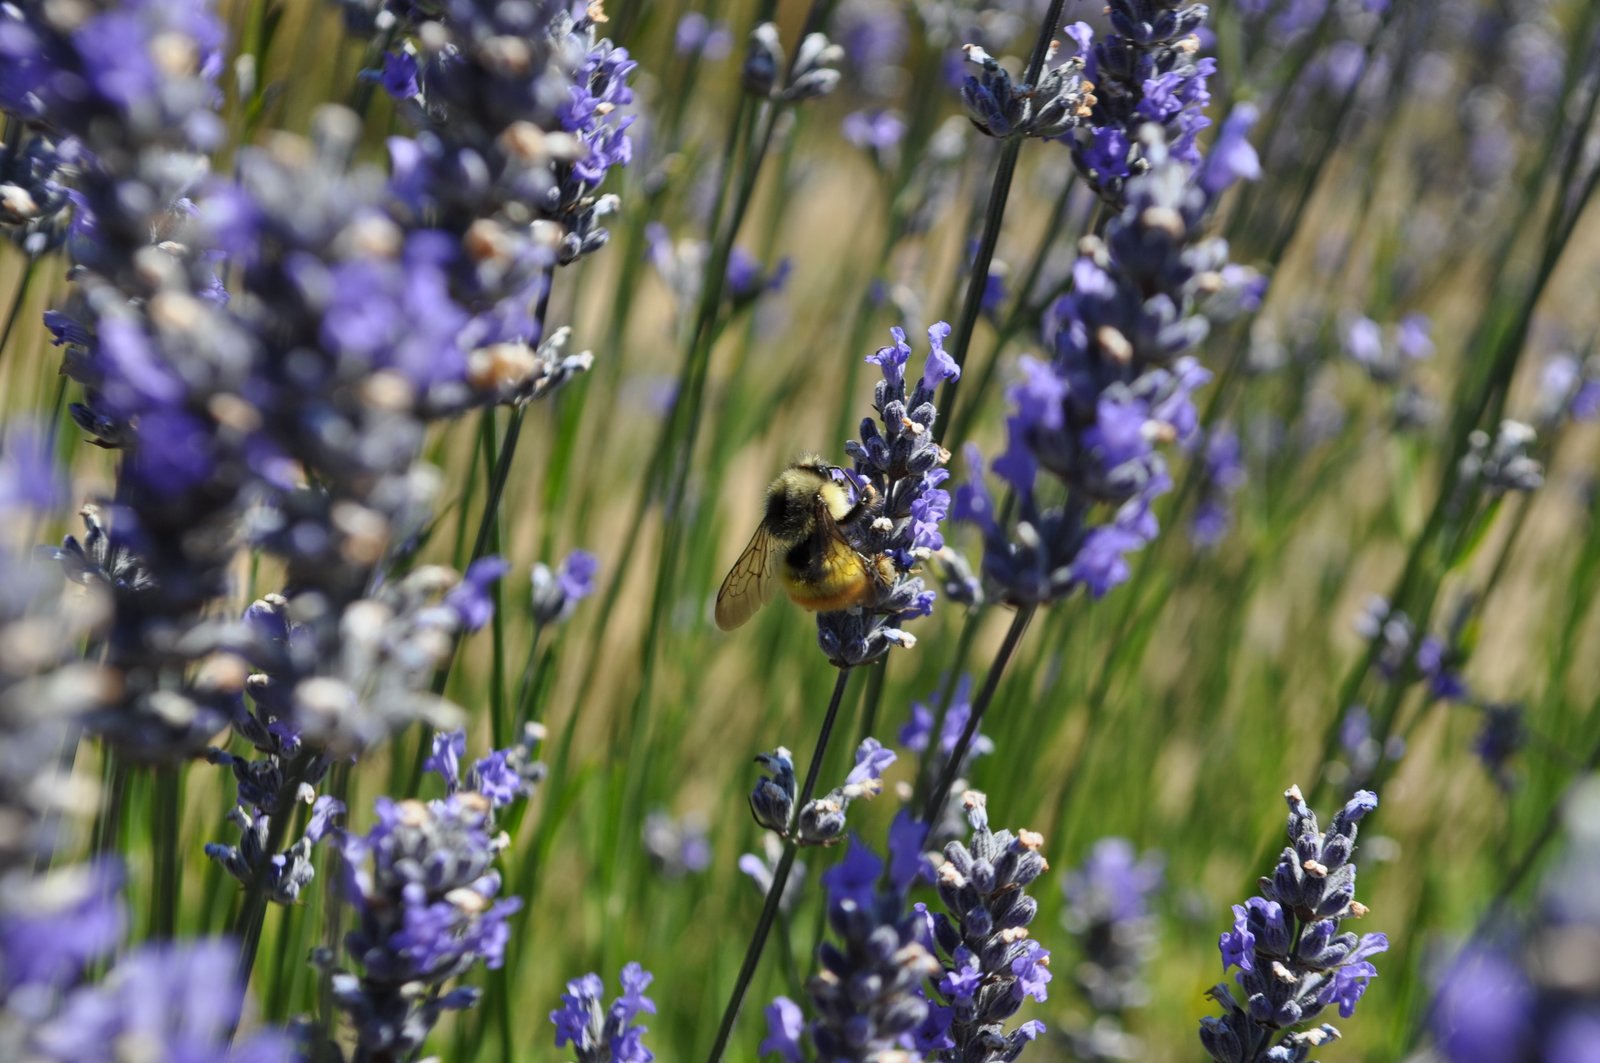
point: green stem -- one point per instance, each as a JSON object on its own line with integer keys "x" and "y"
{"x": 991, "y": 682}
{"x": 780, "y": 878}
{"x": 999, "y": 192}
{"x": 16, "y": 306}
{"x": 168, "y": 881}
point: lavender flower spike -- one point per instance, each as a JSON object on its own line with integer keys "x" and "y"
{"x": 605, "y": 1035}
{"x": 899, "y": 468}
{"x": 427, "y": 901}
{"x": 1293, "y": 960}
{"x": 991, "y": 962}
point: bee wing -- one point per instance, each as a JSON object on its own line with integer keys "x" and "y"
{"x": 749, "y": 585}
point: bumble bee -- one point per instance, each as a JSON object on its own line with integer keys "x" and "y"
{"x": 800, "y": 546}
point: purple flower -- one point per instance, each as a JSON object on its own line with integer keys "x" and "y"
{"x": 605, "y": 1034}
{"x": 1483, "y": 1009}
{"x": 893, "y": 358}
{"x": 1350, "y": 978}
{"x": 29, "y": 478}
{"x": 785, "y": 1027}
{"x": 448, "y": 749}
{"x": 557, "y": 594}
{"x": 427, "y": 900}
{"x": 872, "y": 760}
{"x": 498, "y": 779}
{"x": 471, "y": 597}
{"x": 399, "y": 76}
{"x": 1114, "y": 879}
{"x": 1232, "y": 157}
{"x": 178, "y": 1002}
{"x": 963, "y": 977}
{"x": 1143, "y": 71}
{"x": 896, "y": 477}
{"x": 50, "y": 942}
{"x": 1033, "y": 971}
{"x": 874, "y": 130}
{"x": 698, "y": 35}
{"x": 853, "y": 879}
{"x": 1292, "y": 960}
{"x": 1363, "y": 341}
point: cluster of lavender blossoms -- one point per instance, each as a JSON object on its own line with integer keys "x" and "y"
{"x": 821, "y": 821}
{"x": 1108, "y": 915}
{"x": 599, "y": 1034}
{"x": 1052, "y": 107}
{"x": 896, "y": 476}
{"x": 1293, "y": 960}
{"x": 427, "y": 899}
{"x": 902, "y": 981}
{"x": 1119, "y": 384}
{"x": 1144, "y": 72}
{"x": 60, "y": 927}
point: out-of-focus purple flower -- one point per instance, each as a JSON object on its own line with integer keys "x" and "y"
{"x": 30, "y": 481}
{"x": 470, "y": 598}
{"x": 874, "y": 37}
{"x": 1119, "y": 385}
{"x": 177, "y": 1002}
{"x": 918, "y": 729}
{"x": 786, "y": 1024}
{"x": 1520, "y": 990}
{"x": 874, "y": 130}
{"x": 1435, "y": 663}
{"x": 1503, "y": 733}
{"x": 53, "y": 928}
{"x": 698, "y": 35}
{"x": 1223, "y": 456}
{"x": 426, "y": 898}
{"x": 1114, "y": 879}
{"x": 1232, "y": 157}
{"x": 557, "y": 593}
{"x": 1363, "y": 340}
{"x": 677, "y": 847}
{"x": 747, "y": 279}
{"x": 1483, "y": 1008}
{"x": 1108, "y": 916}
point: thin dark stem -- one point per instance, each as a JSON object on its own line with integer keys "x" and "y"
{"x": 780, "y": 878}
{"x": 168, "y": 828}
{"x": 991, "y": 682}
{"x": 999, "y": 192}
{"x": 16, "y": 304}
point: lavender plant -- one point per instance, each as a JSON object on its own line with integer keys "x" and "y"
{"x": 283, "y": 264}
{"x": 1293, "y": 959}
{"x": 1120, "y": 383}
{"x": 605, "y": 1035}
{"x": 1109, "y": 918}
{"x": 427, "y": 899}
{"x": 901, "y": 979}
{"x": 898, "y": 470}
{"x": 1145, "y": 71}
